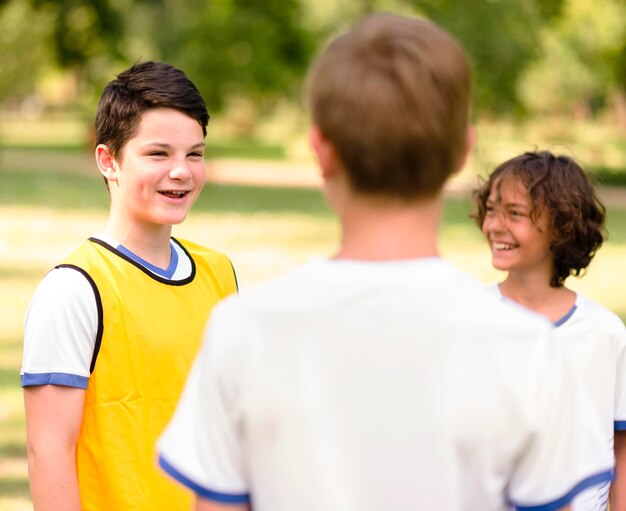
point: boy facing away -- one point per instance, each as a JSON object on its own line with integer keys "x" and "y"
{"x": 383, "y": 378}
{"x": 111, "y": 332}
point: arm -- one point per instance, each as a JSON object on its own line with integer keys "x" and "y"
{"x": 53, "y": 418}
{"x": 203, "y": 504}
{"x": 618, "y": 488}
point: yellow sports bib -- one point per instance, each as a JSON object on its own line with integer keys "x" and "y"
{"x": 150, "y": 329}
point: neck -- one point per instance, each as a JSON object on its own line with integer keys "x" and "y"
{"x": 148, "y": 241}
{"x": 378, "y": 229}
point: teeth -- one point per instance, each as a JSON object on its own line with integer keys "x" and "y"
{"x": 502, "y": 246}
{"x": 176, "y": 193}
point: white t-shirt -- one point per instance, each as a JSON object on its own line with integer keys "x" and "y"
{"x": 594, "y": 340}
{"x": 398, "y": 385}
{"x": 61, "y": 322}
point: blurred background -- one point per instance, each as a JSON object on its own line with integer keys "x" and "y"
{"x": 548, "y": 74}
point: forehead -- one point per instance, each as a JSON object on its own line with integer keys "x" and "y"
{"x": 509, "y": 189}
{"x": 168, "y": 123}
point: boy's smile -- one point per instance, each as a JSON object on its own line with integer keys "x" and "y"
{"x": 502, "y": 246}
{"x": 174, "y": 194}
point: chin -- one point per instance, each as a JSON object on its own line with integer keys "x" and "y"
{"x": 499, "y": 265}
{"x": 177, "y": 221}
{"x": 168, "y": 220}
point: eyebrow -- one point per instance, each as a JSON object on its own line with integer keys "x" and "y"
{"x": 169, "y": 146}
{"x": 509, "y": 204}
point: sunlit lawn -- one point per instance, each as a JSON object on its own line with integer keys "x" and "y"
{"x": 265, "y": 231}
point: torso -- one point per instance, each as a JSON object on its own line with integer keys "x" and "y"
{"x": 148, "y": 331}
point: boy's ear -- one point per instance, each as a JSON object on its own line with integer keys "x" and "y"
{"x": 106, "y": 163}
{"x": 325, "y": 151}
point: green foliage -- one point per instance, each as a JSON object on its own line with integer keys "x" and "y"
{"x": 22, "y": 46}
{"x": 539, "y": 55}
{"x": 87, "y": 38}
{"x": 609, "y": 176}
{"x": 83, "y": 29}
{"x": 581, "y": 59}
{"x": 236, "y": 47}
{"x": 550, "y": 9}
{"x": 246, "y": 150}
{"x": 497, "y": 37}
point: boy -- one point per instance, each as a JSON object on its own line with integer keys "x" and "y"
{"x": 110, "y": 334}
{"x": 383, "y": 378}
{"x": 544, "y": 223}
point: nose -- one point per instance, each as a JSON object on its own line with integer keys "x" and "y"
{"x": 180, "y": 171}
{"x": 494, "y": 222}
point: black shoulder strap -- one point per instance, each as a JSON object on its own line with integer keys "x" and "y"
{"x": 96, "y": 293}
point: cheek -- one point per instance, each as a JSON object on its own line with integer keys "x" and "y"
{"x": 199, "y": 172}
{"x": 485, "y": 226}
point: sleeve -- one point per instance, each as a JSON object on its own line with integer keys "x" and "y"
{"x": 619, "y": 423}
{"x": 201, "y": 447}
{"x": 567, "y": 451}
{"x": 60, "y": 330}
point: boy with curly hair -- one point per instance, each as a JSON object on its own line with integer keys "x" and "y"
{"x": 544, "y": 223}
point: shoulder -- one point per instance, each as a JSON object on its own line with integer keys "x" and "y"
{"x": 458, "y": 298}
{"x": 289, "y": 291}
{"x": 85, "y": 252}
{"x": 60, "y": 330}
{"x": 466, "y": 297}
{"x": 599, "y": 314}
{"x": 64, "y": 292}
{"x": 200, "y": 251}
{"x": 66, "y": 281}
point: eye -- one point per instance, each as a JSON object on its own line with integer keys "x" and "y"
{"x": 159, "y": 154}
{"x": 196, "y": 154}
{"x": 489, "y": 209}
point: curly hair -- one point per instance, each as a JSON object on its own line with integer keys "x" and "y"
{"x": 559, "y": 186}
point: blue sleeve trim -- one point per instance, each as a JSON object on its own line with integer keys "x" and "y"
{"x": 593, "y": 480}
{"x": 64, "y": 379}
{"x": 619, "y": 425}
{"x": 224, "y": 498}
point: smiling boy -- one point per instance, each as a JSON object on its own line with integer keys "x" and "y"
{"x": 111, "y": 332}
{"x": 544, "y": 224}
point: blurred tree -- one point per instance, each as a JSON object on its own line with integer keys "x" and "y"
{"x": 620, "y": 80}
{"x": 539, "y": 54}
{"x": 84, "y": 29}
{"x": 228, "y": 47}
{"x": 500, "y": 37}
{"x": 580, "y": 65}
{"x": 232, "y": 47}
{"x": 550, "y": 9}
{"x": 23, "y": 47}
{"x": 87, "y": 39}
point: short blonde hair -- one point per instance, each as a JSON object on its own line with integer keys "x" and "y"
{"x": 392, "y": 95}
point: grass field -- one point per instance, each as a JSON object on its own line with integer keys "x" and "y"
{"x": 47, "y": 209}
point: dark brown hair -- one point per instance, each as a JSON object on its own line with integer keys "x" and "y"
{"x": 392, "y": 95}
{"x": 558, "y": 186}
{"x": 145, "y": 86}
